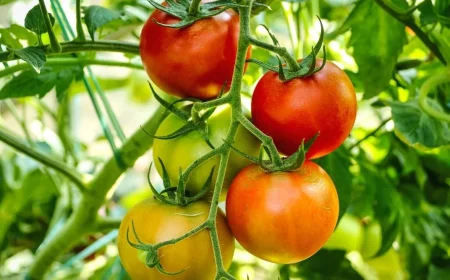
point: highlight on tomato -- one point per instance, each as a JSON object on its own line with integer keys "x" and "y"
{"x": 193, "y": 61}
{"x": 282, "y": 217}
{"x": 155, "y": 222}
{"x": 296, "y": 110}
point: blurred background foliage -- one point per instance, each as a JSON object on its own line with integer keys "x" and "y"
{"x": 392, "y": 173}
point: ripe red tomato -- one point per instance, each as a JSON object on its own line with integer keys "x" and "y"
{"x": 282, "y": 217}
{"x": 289, "y": 112}
{"x": 194, "y": 61}
{"x": 157, "y": 222}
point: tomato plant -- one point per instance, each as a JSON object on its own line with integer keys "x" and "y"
{"x": 156, "y": 222}
{"x": 282, "y": 217}
{"x": 208, "y": 49}
{"x": 180, "y": 152}
{"x": 293, "y": 111}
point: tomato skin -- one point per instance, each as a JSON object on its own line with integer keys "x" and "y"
{"x": 156, "y": 222}
{"x": 182, "y": 151}
{"x": 289, "y": 112}
{"x": 194, "y": 61}
{"x": 282, "y": 217}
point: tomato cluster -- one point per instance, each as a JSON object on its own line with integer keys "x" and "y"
{"x": 296, "y": 210}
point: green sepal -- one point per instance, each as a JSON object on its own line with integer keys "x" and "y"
{"x": 205, "y": 188}
{"x": 155, "y": 192}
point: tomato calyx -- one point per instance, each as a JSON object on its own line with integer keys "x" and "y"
{"x": 192, "y": 124}
{"x": 150, "y": 252}
{"x": 290, "y": 163}
{"x": 304, "y": 68}
{"x": 188, "y": 15}
{"x": 176, "y": 195}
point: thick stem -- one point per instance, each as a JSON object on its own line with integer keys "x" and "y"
{"x": 80, "y": 33}
{"x": 67, "y": 171}
{"x": 85, "y": 213}
{"x": 193, "y": 8}
{"x": 71, "y": 61}
{"x": 56, "y": 47}
{"x": 75, "y": 47}
{"x": 428, "y": 86}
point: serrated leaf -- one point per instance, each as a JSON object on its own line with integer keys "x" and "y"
{"x": 97, "y": 16}
{"x": 417, "y": 127}
{"x": 377, "y": 40}
{"x": 32, "y": 55}
{"x": 12, "y": 36}
{"x": 35, "y": 22}
{"x": 30, "y": 83}
{"x": 427, "y": 14}
{"x": 337, "y": 165}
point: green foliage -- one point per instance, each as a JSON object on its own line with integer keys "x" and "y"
{"x": 416, "y": 127}
{"x": 30, "y": 83}
{"x": 12, "y": 36}
{"x": 97, "y": 16}
{"x": 34, "y": 21}
{"x": 32, "y": 55}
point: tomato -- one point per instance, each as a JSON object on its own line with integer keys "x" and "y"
{"x": 289, "y": 112}
{"x": 372, "y": 240}
{"x": 348, "y": 235}
{"x": 193, "y": 61}
{"x": 282, "y": 217}
{"x": 387, "y": 267}
{"x": 157, "y": 222}
{"x": 180, "y": 152}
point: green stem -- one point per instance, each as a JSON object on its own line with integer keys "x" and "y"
{"x": 83, "y": 219}
{"x": 382, "y": 124}
{"x": 281, "y": 51}
{"x": 428, "y": 86}
{"x": 107, "y": 224}
{"x": 194, "y": 7}
{"x": 75, "y": 47}
{"x": 80, "y": 33}
{"x": 71, "y": 61}
{"x": 407, "y": 19}
{"x": 67, "y": 171}
{"x": 56, "y": 47}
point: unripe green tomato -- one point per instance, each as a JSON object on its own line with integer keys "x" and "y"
{"x": 348, "y": 235}
{"x": 372, "y": 240}
{"x": 180, "y": 152}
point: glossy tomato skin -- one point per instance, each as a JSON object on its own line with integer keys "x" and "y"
{"x": 180, "y": 152}
{"x": 193, "y": 61}
{"x": 156, "y": 222}
{"x": 289, "y": 112}
{"x": 282, "y": 217}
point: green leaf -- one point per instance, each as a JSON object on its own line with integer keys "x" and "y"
{"x": 416, "y": 127}
{"x": 97, "y": 16}
{"x": 427, "y": 14}
{"x": 12, "y": 36}
{"x": 337, "y": 165}
{"x": 386, "y": 203}
{"x": 326, "y": 264}
{"x": 32, "y": 55}
{"x": 35, "y": 22}
{"x": 442, "y": 8}
{"x": 377, "y": 40}
{"x": 30, "y": 83}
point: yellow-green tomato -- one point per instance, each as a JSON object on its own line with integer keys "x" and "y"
{"x": 387, "y": 266}
{"x": 372, "y": 240}
{"x": 180, "y": 152}
{"x": 156, "y": 222}
{"x": 348, "y": 235}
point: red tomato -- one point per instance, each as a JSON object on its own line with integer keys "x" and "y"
{"x": 282, "y": 217}
{"x": 194, "y": 61}
{"x": 289, "y": 112}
